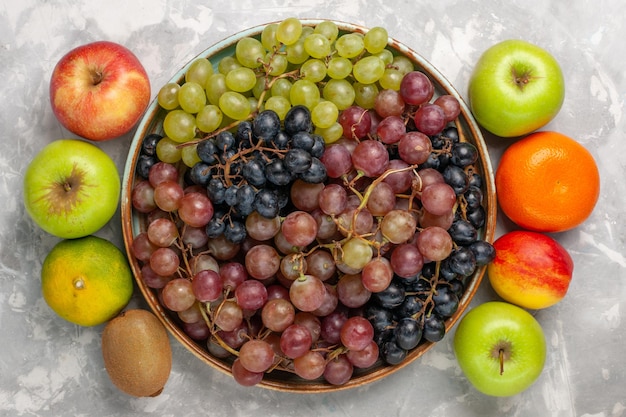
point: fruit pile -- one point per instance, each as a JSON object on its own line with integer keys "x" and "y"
{"x": 311, "y": 206}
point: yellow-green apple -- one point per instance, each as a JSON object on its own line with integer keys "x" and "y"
{"x": 99, "y": 90}
{"x": 530, "y": 269}
{"x": 71, "y": 188}
{"x": 515, "y": 88}
{"x": 500, "y": 347}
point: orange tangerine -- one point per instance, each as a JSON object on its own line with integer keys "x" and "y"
{"x": 547, "y": 182}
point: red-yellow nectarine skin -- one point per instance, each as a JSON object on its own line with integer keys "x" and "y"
{"x": 531, "y": 270}
{"x": 105, "y": 108}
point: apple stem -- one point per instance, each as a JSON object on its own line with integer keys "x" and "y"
{"x": 501, "y": 358}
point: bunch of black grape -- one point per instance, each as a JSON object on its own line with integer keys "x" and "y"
{"x": 253, "y": 168}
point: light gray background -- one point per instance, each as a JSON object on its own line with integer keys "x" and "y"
{"x": 49, "y": 367}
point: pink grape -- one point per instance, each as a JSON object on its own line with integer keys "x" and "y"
{"x": 251, "y": 295}
{"x": 233, "y": 274}
{"x": 351, "y": 291}
{"x": 304, "y": 196}
{"x": 357, "y": 333}
{"x": 178, "y": 294}
{"x": 377, "y": 274}
{"x": 299, "y": 228}
{"x": 245, "y": 377}
{"x": 389, "y": 103}
{"x": 416, "y": 88}
{"x": 277, "y": 314}
{"x": 162, "y": 171}
{"x": 309, "y": 366}
{"x": 390, "y": 129}
{"x": 438, "y": 198}
{"x": 164, "y": 261}
{"x": 162, "y": 232}
{"x": 330, "y": 302}
{"x": 142, "y": 248}
{"x": 381, "y": 200}
{"x": 256, "y": 355}
{"x": 228, "y": 316}
{"x": 429, "y": 119}
{"x": 401, "y": 180}
{"x": 307, "y": 293}
{"x": 364, "y": 358}
{"x": 337, "y": 160}
{"x": 338, "y": 371}
{"x": 435, "y": 243}
{"x": 414, "y": 147}
{"x": 152, "y": 279}
{"x": 195, "y": 209}
{"x": 142, "y": 197}
{"x": 207, "y": 286}
{"x": 333, "y": 199}
{"x": 406, "y": 260}
{"x": 321, "y": 263}
{"x": 450, "y": 105}
{"x": 295, "y": 341}
{"x": 371, "y": 158}
{"x": 398, "y": 226}
{"x": 167, "y": 195}
{"x": 355, "y": 121}
{"x": 262, "y": 261}
{"x": 260, "y": 227}
{"x": 311, "y": 322}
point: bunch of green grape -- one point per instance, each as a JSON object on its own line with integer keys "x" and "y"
{"x": 288, "y": 64}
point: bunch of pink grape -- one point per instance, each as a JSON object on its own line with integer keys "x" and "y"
{"x": 349, "y": 272}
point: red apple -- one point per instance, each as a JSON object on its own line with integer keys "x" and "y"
{"x": 99, "y": 90}
{"x": 530, "y": 269}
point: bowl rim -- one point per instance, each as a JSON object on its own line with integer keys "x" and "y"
{"x": 131, "y": 226}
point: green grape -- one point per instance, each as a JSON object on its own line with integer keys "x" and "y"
{"x": 304, "y": 92}
{"x": 296, "y": 54}
{"x": 368, "y": 70}
{"x": 215, "y": 87}
{"x": 357, "y": 253}
{"x": 339, "y": 92}
{"x": 330, "y": 134}
{"x": 276, "y": 62}
{"x": 376, "y": 39}
{"x": 289, "y": 31}
{"x": 281, "y": 87}
{"x": 259, "y": 87}
{"x": 386, "y": 55}
{"x": 235, "y": 105}
{"x": 329, "y": 29}
{"x": 209, "y": 118}
{"x": 241, "y": 79}
{"x": 227, "y": 64}
{"x": 189, "y": 155}
{"x": 324, "y": 114}
{"x": 391, "y": 79}
{"x": 313, "y": 70}
{"x": 365, "y": 94}
{"x": 279, "y": 104}
{"x": 349, "y": 45}
{"x": 167, "y": 96}
{"x": 179, "y": 126}
{"x": 167, "y": 151}
{"x": 268, "y": 37}
{"x": 254, "y": 103}
{"x": 199, "y": 71}
{"x": 402, "y": 64}
{"x": 317, "y": 45}
{"x": 191, "y": 97}
{"x": 339, "y": 68}
{"x": 250, "y": 52}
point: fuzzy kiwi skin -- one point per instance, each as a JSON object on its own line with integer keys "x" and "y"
{"x": 137, "y": 353}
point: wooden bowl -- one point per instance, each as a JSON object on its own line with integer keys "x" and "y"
{"x": 134, "y": 222}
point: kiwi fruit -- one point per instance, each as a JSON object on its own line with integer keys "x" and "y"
{"x": 137, "y": 353}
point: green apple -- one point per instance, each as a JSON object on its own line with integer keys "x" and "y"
{"x": 515, "y": 88}
{"x": 500, "y": 348}
{"x": 71, "y": 188}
